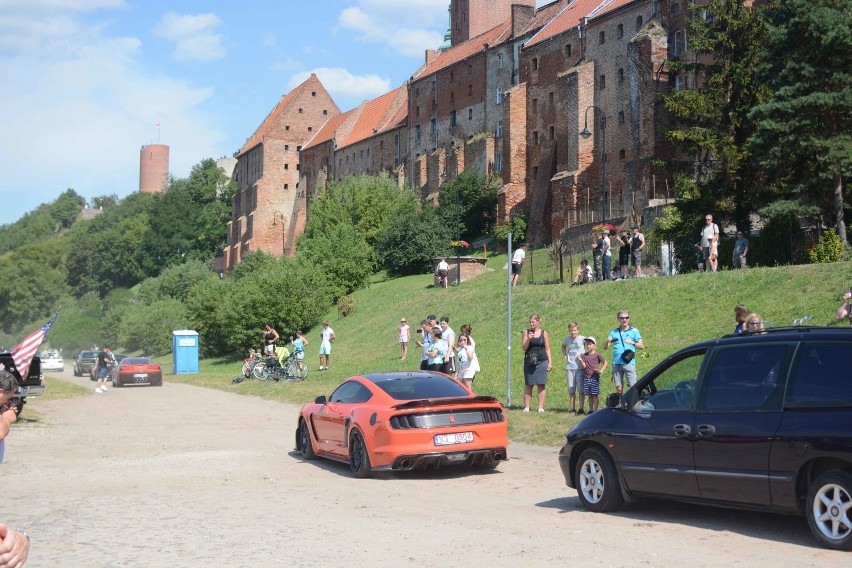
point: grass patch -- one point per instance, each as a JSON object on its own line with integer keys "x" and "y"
{"x": 670, "y": 312}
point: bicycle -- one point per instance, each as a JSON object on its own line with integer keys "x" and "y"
{"x": 290, "y": 369}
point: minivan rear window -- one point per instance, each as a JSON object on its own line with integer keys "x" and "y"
{"x": 820, "y": 376}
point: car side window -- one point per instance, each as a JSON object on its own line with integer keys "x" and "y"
{"x": 746, "y": 378}
{"x": 351, "y": 392}
{"x": 819, "y": 377}
{"x": 673, "y": 389}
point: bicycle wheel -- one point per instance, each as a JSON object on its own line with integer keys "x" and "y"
{"x": 259, "y": 371}
{"x": 297, "y": 370}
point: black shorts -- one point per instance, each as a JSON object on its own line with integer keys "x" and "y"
{"x": 442, "y": 273}
{"x": 516, "y": 268}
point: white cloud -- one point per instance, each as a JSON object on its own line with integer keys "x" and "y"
{"x": 341, "y": 83}
{"x": 407, "y": 28}
{"x": 77, "y": 106}
{"x": 193, "y": 36}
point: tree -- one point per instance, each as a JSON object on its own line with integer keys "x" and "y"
{"x": 30, "y": 291}
{"x": 149, "y": 328}
{"x": 188, "y": 221}
{"x": 477, "y": 201}
{"x": 804, "y": 134}
{"x": 343, "y": 254}
{"x": 412, "y": 241}
{"x": 712, "y": 119}
{"x": 291, "y": 294}
{"x": 175, "y": 282}
{"x": 366, "y": 202}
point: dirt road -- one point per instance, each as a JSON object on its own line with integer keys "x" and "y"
{"x": 185, "y": 476}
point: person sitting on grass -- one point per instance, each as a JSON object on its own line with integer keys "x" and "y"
{"x": 584, "y": 274}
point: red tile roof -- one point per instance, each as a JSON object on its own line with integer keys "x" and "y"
{"x": 376, "y": 114}
{"x": 312, "y": 83}
{"x": 465, "y": 49}
{"x": 327, "y": 130}
{"x": 570, "y": 16}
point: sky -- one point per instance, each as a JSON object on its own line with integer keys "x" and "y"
{"x": 86, "y": 82}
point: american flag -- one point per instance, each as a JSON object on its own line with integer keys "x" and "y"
{"x": 24, "y": 352}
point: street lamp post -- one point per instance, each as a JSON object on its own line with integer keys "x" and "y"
{"x": 585, "y": 134}
{"x": 458, "y": 231}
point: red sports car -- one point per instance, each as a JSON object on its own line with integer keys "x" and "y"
{"x": 403, "y": 421}
{"x": 137, "y": 371}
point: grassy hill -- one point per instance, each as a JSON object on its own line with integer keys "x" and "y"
{"x": 670, "y": 312}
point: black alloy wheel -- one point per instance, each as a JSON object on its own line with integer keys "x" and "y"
{"x": 359, "y": 459}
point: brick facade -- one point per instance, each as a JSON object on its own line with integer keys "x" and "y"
{"x": 269, "y": 208}
{"x": 470, "y": 18}
{"x": 154, "y": 168}
{"x": 510, "y": 97}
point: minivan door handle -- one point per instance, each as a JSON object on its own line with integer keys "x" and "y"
{"x": 682, "y": 430}
{"x": 706, "y": 430}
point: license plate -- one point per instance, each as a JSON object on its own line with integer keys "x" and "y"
{"x": 140, "y": 375}
{"x": 457, "y": 438}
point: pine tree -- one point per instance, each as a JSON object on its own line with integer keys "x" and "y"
{"x": 804, "y": 137}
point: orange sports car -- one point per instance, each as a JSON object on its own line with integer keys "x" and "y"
{"x": 403, "y": 421}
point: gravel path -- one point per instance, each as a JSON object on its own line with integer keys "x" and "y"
{"x": 186, "y": 476}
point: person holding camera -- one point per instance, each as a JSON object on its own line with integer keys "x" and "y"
{"x": 537, "y": 362}
{"x": 626, "y": 340}
{"x": 593, "y": 365}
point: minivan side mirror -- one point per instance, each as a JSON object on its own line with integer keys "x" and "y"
{"x": 613, "y": 400}
{"x": 320, "y": 400}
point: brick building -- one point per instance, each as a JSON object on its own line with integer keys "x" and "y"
{"x": 268, "y": 207}
{"x": 509, "y": 94}
{"x": 593, "y": 65}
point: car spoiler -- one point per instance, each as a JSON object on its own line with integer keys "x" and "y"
{"x": 443, "y": 402}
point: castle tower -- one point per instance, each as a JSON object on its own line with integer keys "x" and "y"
{"x": 153, "y": 168}
{"x": 469, "y": 18}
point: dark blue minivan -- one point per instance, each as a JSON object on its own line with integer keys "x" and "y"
{"x": 760, "y": 421}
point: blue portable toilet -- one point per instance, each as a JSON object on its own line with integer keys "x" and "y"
{"x": 185, "y": 351}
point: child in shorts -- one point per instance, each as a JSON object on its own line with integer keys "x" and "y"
{"x": 593, "y": 365}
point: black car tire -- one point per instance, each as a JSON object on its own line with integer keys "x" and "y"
{"x": 597, "y": 482}
{"x": 829, "y": 509}
{"x": 77, "y": 373}
{"x": 359, "y": 458}
{"x": 305, "y": 444}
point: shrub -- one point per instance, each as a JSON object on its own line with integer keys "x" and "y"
{"x": 343, "y": 254}
{"x": 828, "y": 249}
{"x": 149, "y": 328}
{"x": 517, "y": 225}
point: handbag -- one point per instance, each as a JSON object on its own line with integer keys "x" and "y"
{"x": 628, "y": 355}
{"x": 531, "y": 358}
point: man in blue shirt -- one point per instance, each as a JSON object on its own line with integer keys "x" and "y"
{"x": 624, "y": 339}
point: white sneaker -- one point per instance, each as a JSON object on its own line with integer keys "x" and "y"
{"x": 99, "y": 390}
{"x": 104, "y": 388}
